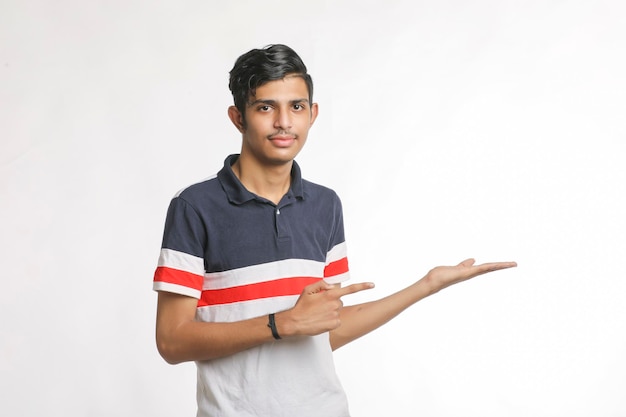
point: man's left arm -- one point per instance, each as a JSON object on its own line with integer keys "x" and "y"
{"x": 360, "y": 319}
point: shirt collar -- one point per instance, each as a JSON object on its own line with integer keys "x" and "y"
{"x": 238, "y": 194}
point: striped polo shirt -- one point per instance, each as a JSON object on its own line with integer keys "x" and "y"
{"x": 242, "y": 256}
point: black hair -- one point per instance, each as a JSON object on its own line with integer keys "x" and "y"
{"x": 259, "y": 66}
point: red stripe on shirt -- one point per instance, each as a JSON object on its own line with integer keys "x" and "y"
{"x": 275, "y": 288}
{"x": 336, "y": 268}
{"x": 176, "y": 276}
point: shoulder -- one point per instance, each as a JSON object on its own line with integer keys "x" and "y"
{"x": 196, "y": 187}
{"x": 197, "y": 192}
{"x": 315, "y": 190}
{"x": 320, "y": 197}
{"x": 199, "y": 198}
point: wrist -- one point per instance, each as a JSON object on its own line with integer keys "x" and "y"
{"x": 284, "y": 325}
{"x": 427, "y": 285}
{"x": 272, "y": 325}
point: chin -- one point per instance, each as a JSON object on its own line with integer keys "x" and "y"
{"x": 283, "y": 157}
{"x": 280, "y": 161}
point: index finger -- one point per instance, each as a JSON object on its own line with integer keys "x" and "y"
{"x": 351, "y": 289}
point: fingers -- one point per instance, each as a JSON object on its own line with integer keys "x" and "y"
{"x": 338, "y": 291}
{"x": 491, "y": 267}
{"x": 319, "y": 286}
{"x": 354, "y": 288}
{"x": 495, "y": 266}
{"x": 486, "y": 267}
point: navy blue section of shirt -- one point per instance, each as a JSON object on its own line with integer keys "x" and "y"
{"x": 229, "y": 227}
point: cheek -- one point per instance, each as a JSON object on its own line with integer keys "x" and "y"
{"x": 303, "y": 127}
{"x": 258, "y": 126}
{"x": 256, "y": 135}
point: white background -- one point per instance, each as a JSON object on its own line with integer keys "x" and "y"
{"x": 451, "y": 129}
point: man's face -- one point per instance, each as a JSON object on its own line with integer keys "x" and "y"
{"x": 278, "y": 119}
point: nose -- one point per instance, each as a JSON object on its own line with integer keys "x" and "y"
{"x": 283, "y": 119}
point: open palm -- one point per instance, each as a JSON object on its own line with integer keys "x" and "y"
{"x": 441, "y": 277}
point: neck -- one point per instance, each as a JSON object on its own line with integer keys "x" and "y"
{"x": 271, "y": 183}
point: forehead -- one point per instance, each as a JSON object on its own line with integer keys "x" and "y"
{"x": 292, "y": 87}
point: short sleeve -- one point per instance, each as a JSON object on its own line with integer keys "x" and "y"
{"x": 337, "y": 269}
{"x": 181, "y": 262}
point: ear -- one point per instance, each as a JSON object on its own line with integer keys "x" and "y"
{"x": 236, "y": 117}
{"x": 314, "y": 112}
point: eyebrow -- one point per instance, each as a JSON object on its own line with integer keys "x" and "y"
{"x": 273, "y": 102}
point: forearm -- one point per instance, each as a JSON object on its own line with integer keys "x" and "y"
{"x": 360, "y": 319}
{"x": 181, "y": 338}
{"x": 197, "y": 341}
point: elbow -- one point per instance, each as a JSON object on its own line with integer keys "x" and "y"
{"x": 168, "y": 351}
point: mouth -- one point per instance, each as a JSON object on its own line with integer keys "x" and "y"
{"x": 282, "y": 141}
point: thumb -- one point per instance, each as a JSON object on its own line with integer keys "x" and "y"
{"x": 467, "y": 262}
{"x": 316, "y": 287}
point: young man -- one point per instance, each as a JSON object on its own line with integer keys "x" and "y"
{"x": 250, "y": 272}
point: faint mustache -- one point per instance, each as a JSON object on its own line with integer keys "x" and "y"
{"x": 282, "y": 134}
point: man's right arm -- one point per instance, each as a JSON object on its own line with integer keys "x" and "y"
{"x": 180, "y": 337}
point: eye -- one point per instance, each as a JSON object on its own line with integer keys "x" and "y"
{"x": 298, "y": 106}
{"x": 264, "y": 108}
